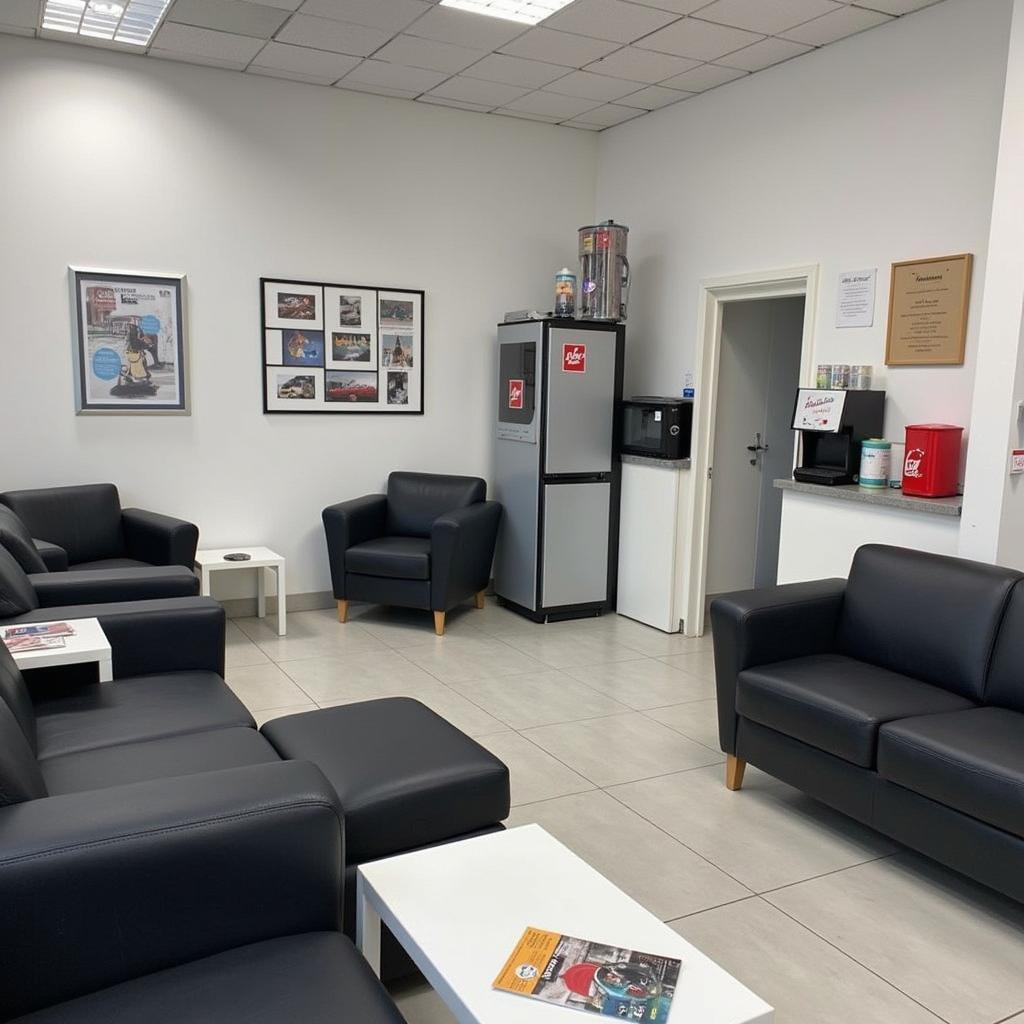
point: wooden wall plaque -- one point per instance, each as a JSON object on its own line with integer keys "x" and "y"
{"x": 928, "y": 302}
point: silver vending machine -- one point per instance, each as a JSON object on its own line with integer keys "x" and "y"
{"x": 556, "y": 466}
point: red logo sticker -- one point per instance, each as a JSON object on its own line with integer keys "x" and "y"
{"x": 515, "y": 394}
{"x": 574, "y": 358}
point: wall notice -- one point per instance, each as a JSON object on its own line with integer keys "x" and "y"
{"x": 928, "y": 302}
{"x": 855, "y": 302}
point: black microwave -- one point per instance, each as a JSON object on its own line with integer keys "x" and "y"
{"x": 657, "y": 427}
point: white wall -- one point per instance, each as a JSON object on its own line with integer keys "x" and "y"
{"x": 120, "y": 162}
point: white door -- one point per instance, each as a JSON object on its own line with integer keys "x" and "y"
{"x": 758, "y": 374}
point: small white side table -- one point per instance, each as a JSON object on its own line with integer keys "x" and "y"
{"x": 211, "y": 560}
{"x": 87, "y": 643}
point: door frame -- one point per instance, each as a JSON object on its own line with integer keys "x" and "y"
{"x": 786, "y": 282}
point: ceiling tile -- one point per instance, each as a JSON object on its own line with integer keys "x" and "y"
{"x": 609, "y": 19}
{"x": 578, "y": 124}
{"x": 439, "y": 101}
{"x": 464, "y": 28}
{"x": 389, "y": 15}
{"x": 328, "y": 34}
{"x": 653, "y": 97}
{"x": 764, "y": 54}
{"x": 246, "y": 19}
{"x": 498, "y": 67}
{"x": 641, "y": 65}
{"x": 428, "y": 53}
{"x": 609, "y": 114}
{"x": 19, "y": 14}
{"x": 896, "y": 6}
{"x": 767, "y": 16}
{"x": 377, "y": 90}
{"x": 524, "y": 116}
{"x": 700, "y": 40}
{"x": 675, "y": 6}
{"x": 707, "y": 76}
{"x": 194, "y": 58}
{"x": 558, "y": 47}
{"x": 552, "y": 104}
{"x": 204, "y": 42}
{"x": 473, "y": 90}
{"x": 284, "y": 5}
{"x": 318, "y": 65}
{"x": 830, "y": 27}
{"x": 593, "y": 87}
{"x": 395, "y": 76}
{"x": 290, "y": 76}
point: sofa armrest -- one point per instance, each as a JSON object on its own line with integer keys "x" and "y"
{"x": 159, "y": 539}
{"x": 54, "y": 557}
{"x": 757, "y": 627}
{"x": 107, "y": 885}
{"x": 96, "y": 586}
{"x": 461, "y": 552}
{"x": 349, "y": 523}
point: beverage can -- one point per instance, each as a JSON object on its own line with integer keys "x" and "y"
{"x": 875, "y": 462}
{"x": 565, "y": 293}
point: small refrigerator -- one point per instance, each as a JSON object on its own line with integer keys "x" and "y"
{"x": 557, "y": 469}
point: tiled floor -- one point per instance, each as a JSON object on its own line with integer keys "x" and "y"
{"x": 609, "y": 729}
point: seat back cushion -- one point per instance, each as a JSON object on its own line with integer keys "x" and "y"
{"x": 1005, "y": 687}
{"x": 20, "y": 777}
{"x": 85, "y": 521}
{"x": 15, "y": 537}
{"x": 415, "y": 500}
{"x": 16, "y": 593}
{"x": 14, "y": 693}
{"x": 927, "y": 616}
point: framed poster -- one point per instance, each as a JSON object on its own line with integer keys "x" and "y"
{"x": 130, "y": 351}
{"x": 338, "y": 348}
{"x": 928, "y": 305}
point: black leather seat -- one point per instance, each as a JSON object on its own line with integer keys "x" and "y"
{"x": 428, "y": 543}
{"x": 836, "y": 703}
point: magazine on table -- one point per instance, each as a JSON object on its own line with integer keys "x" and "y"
{"x": 43, "y": 636}
{"x": 611, "y": 981}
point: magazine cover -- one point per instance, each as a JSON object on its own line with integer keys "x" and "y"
{"x": 41, "y": 637}
{"x": 607, "y": 980}
{"x": 18, "y": 644}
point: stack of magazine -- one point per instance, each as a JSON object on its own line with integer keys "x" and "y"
{"x": 43, "y": 637}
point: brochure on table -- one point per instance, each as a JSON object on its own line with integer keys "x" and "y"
{"x": 45, "y": 636}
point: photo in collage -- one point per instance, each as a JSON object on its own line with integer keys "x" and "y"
{"x": 341, "y": 348}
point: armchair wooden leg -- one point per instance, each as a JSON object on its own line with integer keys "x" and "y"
{"x": 734, "y": 769}
{"x": 480, "y": 599}
{"x": 343, "y": 611}
{"x": 439, "y": 623}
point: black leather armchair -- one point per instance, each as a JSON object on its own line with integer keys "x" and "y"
{"x": 85, "y": 528}
{"x": 428, "y": 543}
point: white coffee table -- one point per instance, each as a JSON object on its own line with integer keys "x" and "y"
{"x": 211, "y": 560}
{"x": 87, "y": 643}
{"x": 459, "y": 910}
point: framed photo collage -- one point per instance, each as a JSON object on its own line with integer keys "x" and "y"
{"x": 338, "y": 348}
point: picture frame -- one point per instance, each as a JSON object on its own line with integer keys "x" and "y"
{"x": 130, "y": 342}
{"x": 361, "y": 348}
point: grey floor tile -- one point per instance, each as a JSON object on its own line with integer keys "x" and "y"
{"x": 805, "y": 979}
{"x": 664, "y": 876}
{"x": 622, "y": 748}
{"x": 564, "y": 648}
{"x": 456, "y": 659}
{"x": 239, "y": 653}
{"x": 697, "y": 719}
{"x": 363, "y": 675}
{"x": 696, "y": 663}
{"x": 538, "y": 698}
{"x": 420, "y": 1004}
{"x": 765, "y": 836}
{"x": 341, "y": 641}
{"x": 260, "y": 687}
{"x": 653, "y": 642}
{"x": 947, "y": 942}
{"x": 535, "y": 775}
{"x": 643, "y": 682}
{"x": 269, "y": 714}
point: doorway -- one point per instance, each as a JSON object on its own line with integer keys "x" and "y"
{"x": 758, "y": 375}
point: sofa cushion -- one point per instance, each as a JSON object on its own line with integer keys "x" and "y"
{"x": 313, "y": 978}
{"x": 16, "y": 593}
{"x": 15, "y": 537}
{"x": 404, "y": 776}
{"x": 1005, "y": 684}
{"x": 20, "y": 778}
{"x": 415, "y": 500}
{"x": 972, "y": 761}
{"x": 836, "y": 704}
{"x": 113, "y": 563}
{"x": 134, "y": 709}
{"x": 187, "y": 754}
{"x": 14, "y": 693}
{"x": 923, "y": 615}
{"x": 401, "y": 558}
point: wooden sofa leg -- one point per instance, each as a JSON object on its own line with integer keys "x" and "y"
{"x": 734, "y": 769}
{"x": 343, "y": 611}
{"x": 480, "y": 598}
{"x": 439, "y": 623}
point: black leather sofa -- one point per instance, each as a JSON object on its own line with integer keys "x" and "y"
{"x": 896, "y": 696}
{"x": 84, "y": 527}
{"x": 428, "y": 543}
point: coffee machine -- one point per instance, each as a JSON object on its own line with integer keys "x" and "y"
{"x": 604, "y": 272}
{"x": 833, "y": 425}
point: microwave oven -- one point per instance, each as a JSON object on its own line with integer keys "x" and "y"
{"x": 657, "y": 427}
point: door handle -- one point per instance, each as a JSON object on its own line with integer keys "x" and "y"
{"x": 756, "y": 448}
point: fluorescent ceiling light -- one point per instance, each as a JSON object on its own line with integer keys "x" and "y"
{"x": 527, "y": 12}
{"x": 117, "y": 21}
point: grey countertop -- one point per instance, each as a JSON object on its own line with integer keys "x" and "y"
{"x": 888, "y": 498}
{"x": 647, "y": 460}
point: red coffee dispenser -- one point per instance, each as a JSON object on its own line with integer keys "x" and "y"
{"x": 932, "y": 460}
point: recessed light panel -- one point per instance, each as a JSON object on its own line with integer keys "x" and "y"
{"x": 116, "y": 21}
{"x": 527, "y": 12}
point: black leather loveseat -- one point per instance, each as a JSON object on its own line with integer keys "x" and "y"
{"x": 896, "y": 696}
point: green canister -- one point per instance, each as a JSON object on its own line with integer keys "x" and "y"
{"x": 875, "y": 461}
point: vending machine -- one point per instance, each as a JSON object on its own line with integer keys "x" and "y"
{"x": 556, "y": 466}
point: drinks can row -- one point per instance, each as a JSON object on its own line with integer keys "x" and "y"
{"x": 843, "y": 376}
